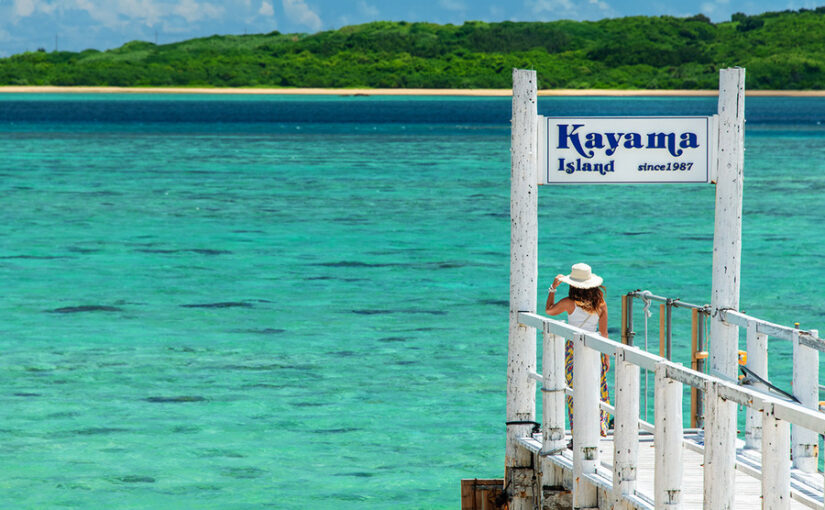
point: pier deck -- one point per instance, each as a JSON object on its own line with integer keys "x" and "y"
{"x": 806, "y": 490}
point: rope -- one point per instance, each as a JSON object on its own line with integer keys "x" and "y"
{"x": 750, "y": 377}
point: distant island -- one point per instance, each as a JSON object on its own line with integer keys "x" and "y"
{"x": 781, "y": 51}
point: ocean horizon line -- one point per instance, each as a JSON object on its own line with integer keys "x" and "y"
{"x": 396, "y": 92}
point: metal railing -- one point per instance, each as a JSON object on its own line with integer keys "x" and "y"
{"x": 775, "y": 414}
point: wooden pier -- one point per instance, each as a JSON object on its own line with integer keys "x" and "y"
{"x": 772, "y": 465}
{"x": 747, "y": 486}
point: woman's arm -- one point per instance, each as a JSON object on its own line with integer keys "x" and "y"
{"x": 603, "y": 332}
{"x": 603, "y": 320}
{"x": 564, "y": 305}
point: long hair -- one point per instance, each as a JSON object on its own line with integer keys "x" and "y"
{"x": 589, "y": 299}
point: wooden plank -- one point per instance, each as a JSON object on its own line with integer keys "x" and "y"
{"x": 481, "y": 494}
{"x": 746, "y": 488}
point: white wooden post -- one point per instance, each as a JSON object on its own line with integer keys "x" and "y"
{"x": 806, "y": 389}
{"x": 720, "y": 451}
{"x": 776, "y": 467}
{"x": 727, "y": 247}
{"x": 626, "y": 430}
{"x": 668, "y": 441}
{"x": 757, "y": 348}
{"x": 586, "y": 422}
{"x": 521, "y": 359}
{"x": 552, "y": 423}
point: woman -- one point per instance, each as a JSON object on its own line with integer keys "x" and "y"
{"x": 587, "y": 310}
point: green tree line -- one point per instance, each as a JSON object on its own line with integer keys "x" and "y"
{"x": 781, "y": 50}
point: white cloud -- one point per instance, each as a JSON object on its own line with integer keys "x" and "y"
{"x": 556, "y": 9}
{"x": 599, "y": 4}
{"x": 299, "y": 12}
{"x": 266, "y": 9}
{"x": 192, "y": 11}
{"x": 367, "y": 10}
{"x": 452, "y": 5}
{"x": 540, "y": 6}
{"x": 147, "y": 11}
{"x": 23, "y": 8}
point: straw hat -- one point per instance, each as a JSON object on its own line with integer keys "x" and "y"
{"x": 582, "y": 277}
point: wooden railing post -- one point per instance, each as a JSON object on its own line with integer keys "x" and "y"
{"x": 668, "y": 441}
{"x": 806, "y": 389}
{"x": 521, "y": 356}
{"x": 586, "y": 422}
{"x": 626, "y": 430}
{"x": 757, "y": 348}
{"x": 720, "y": 450}
{"x": 553, "y": 406}
{"x": 776, "y": 467}
{"x": 720, "y": 418}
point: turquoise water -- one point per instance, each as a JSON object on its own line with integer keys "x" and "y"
{"x": 302, "y": 303}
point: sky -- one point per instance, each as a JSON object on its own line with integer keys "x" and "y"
{"x": 75, "y": 25}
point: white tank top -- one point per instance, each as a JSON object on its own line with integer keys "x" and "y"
{"x": 584, "y": 320}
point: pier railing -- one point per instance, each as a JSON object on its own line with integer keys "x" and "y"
{"x": 753, "y": 361}
{"x": 774, "y": 414}
{"x": 700, "y": 315}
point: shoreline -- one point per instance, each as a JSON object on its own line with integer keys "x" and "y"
{"x": 395, "y": 92}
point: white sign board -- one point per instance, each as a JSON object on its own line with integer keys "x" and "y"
{"x": 579, "y": 150}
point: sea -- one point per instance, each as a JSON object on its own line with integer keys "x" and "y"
{"x": 248, "y": 302}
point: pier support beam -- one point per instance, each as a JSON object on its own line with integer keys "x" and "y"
{"x": 626, "y": 431}
{"x": 804, "y": 442}
{"x": 720, "y": 422}
{"x": 586, "y": 422}
{"x": 521, "y": 359}
{"x": 758, "y": 363}
{"x": 552, "y": 393}
{"x": 668, "y": 441}
{"x": 776, "y": 467}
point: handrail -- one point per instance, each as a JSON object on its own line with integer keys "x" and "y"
{"x": 729, "y": 390}
{"x": 806, "y": 337}
{"x": 675, "y": 302}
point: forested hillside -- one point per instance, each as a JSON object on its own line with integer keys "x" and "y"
{"x": 781, "y": 50}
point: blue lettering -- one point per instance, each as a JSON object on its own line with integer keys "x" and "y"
{"x": 633, "y": 141}
{"x": 573, "y": 137}
{"x": 689, "y": 141}
{"x": 613, "y": 140}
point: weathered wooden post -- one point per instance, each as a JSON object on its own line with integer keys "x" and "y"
{"x": 757, "y": 348}
{"x": 720, "y": 423}
{"x": 806, "y": 389}
{"x": 668, "y": 441}
{"x": 586, "y": 422}
{"x": 626, "y": 430}
{"x": 521, "y": 359}
{"x": 552, "y": 393}
{"x": 776, "y": 467}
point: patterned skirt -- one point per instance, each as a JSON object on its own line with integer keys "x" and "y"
{"x": 605, "y": 396}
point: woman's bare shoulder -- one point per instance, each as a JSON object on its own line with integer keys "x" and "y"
{"x": 563, "y": 305}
